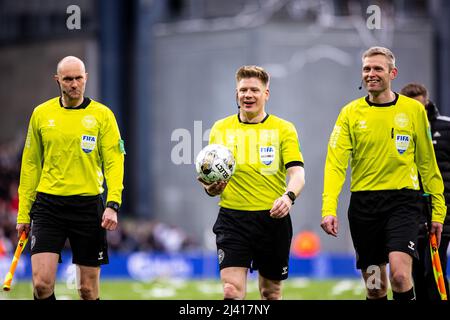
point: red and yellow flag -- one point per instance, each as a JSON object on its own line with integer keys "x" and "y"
{"x": 437, "y": 268}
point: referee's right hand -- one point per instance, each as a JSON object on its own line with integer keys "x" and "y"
{"x": 215, "y": 188}
{"x": 20, "y": 227}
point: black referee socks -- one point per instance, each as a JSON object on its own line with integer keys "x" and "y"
{"x": 405, "y": 296}
{"x": 50, "y": 298}
{"x": 377, "y": 299}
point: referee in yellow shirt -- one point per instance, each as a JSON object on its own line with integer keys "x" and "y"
{"x": 72, "y": 144}
{"x": 253, "y": 229}
{"x": 386, "y": 137}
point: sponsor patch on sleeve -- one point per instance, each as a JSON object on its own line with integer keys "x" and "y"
{"x": 122, "y": 146}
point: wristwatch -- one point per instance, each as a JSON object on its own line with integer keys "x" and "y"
{"x": 291, "y": 196}
{"x": 113, "y": 205}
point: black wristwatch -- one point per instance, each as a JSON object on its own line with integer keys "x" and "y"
{"x": 113, "y": 205}
{"x": 291, "y": 196}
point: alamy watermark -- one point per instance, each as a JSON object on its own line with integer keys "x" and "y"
{"x": 250, "y": 146}
{"x": 189, "y": 145}
{"x": 73, "y": 21}
{"x": 374, "y": 20}
{"x": 72, "y": 275}
{"x": 374, "y": 280}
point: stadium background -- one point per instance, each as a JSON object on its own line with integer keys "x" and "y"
{"x": 166, "y": 68}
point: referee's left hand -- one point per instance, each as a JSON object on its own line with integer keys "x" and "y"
{"x": 109, "y": 219}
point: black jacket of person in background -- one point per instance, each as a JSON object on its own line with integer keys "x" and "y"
{"x": 424, "y": 283}
{"x": 440, "y": 134}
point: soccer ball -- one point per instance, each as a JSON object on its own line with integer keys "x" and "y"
{"x": 215, "y": 162}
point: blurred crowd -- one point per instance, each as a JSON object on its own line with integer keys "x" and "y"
{"x": 131, "y": 234}
{"x": 148, "y": 235}
{"x": 9, "y": 180}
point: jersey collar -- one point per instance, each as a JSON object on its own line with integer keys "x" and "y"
{"x": 83, "y": 105}
{"x": 387, "y": 104}
{"x": 262, "y": 121}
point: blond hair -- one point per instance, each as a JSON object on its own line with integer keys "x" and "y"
{"x": 373, "y": 51}
{"x": 245, "y": 72}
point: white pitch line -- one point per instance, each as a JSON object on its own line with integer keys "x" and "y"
{"x": 210, "y": 288}
{"x": 153, "y": 292}
{"x": 342, "y": 286}
{"x": 300, "y": 282}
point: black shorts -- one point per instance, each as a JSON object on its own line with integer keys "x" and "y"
{"x": 252, "y": 239}
{"x": 77, "y": 218}
{"x": 382, "y": 222}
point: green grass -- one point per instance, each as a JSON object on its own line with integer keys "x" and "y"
{"x": 168, "y": 289}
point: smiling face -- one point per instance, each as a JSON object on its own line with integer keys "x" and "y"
{"x": 377, "y": 74}
{"x": 252, "y": 96}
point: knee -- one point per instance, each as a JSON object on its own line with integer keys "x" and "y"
{"x": 230, "y": 291}
{"x": 270, "y": 293}
{"x": 87, "y": 293}
{"x": 43, "y": 288}
{"x": 400, "y": 279}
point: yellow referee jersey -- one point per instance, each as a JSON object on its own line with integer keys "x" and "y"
{"x": 262, "y": 152}
{"x": 388, "y": 146}
{"x": 65, "y": 151}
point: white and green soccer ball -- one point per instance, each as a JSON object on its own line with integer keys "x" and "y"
{"x": 215, "y": 162}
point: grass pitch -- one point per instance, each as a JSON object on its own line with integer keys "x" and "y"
{"x": 179, "y": 289}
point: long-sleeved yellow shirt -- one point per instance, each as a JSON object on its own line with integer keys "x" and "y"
{"x": 66, "y": 152}
{"x": 388, "y": 146}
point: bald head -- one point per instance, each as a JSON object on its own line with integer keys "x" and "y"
{"x": 70, "y": 61}
{"x": 71, "y": 77}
